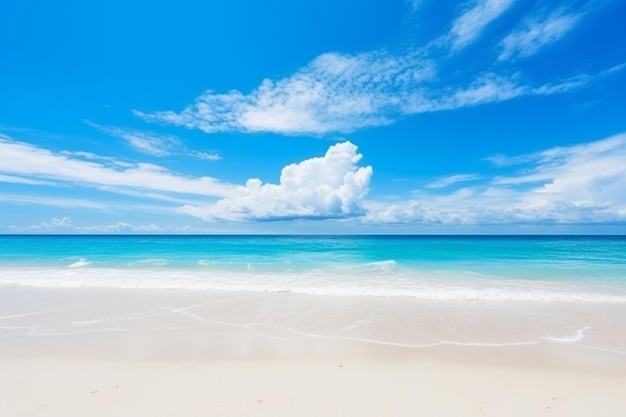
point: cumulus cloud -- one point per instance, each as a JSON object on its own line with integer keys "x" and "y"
{"x": 20, "y": 160}
{"x": 536, "y": 33}
{"x": 584, "y": 183}
{"x": 331, "y": 186}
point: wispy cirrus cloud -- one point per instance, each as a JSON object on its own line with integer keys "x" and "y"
{"x": 341, "y": 93}
{"x": 493, "y": 88}
{"x": 414, "y": 4}
{"x": 469, "y": 25}
{"x": 51, "y": 201}
{"x": 30, "y": 163}
{"x": 144, "y": 142}
{"x": 584, "y": 183}
{"x": 537, "y": 32}
{"x": 20, "y": 180}
{"x": 326, "y": 96}
{"x": 152, "y": 143}
{"x": 453, "y": 179}
{"x": 331, "y": 186}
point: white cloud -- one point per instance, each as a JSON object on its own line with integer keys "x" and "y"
{"x": 207, "y": 156}
{"x": 35, "y": 164}
{"x": 486, "y": 88}
{"x": 21, "y": 180}
{"x": 453, "y": 179}
{"x": 341, "y": 93}
{"x": 468, "y": 27}
{"x": 331, "y": 186}
{"x": 536, "y": 33}
{"x": 51, "y": 201}
{"x": 578, "y": 184}
{"x": 334, "y": 93}
{"x": 65, "y": 225}
{"x": 414, "y": 4}
{"x": 154, "y": 144}
{"x": 592, "y": 174}
{"x": 490, "y": 88}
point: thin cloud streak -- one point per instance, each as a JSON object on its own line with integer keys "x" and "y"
{"x": 536, "y": 33}
{"x": 468, "y": 27}
{"x": 51, "y": 201}
{"x": 153, "y": 144}
{"x": 414, "y": 4}
{"x": 453, "y": 179}
{"x": 23, "y": 160}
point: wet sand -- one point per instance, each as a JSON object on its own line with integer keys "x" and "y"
{"x": 100, "y": 352}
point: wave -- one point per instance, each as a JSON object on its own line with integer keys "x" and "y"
{"x": 315, "y": 283}
{"x": 382, "y": 266}
{"x": 82, "y": 262}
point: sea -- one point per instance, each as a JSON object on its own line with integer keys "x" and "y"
{"x": 543, "y": 269}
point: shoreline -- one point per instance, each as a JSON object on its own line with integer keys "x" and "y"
{"x": 76, "y": 352}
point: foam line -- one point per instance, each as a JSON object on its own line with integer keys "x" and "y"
{"x": 79, "y": 264}
{"x": 323, "y": 283}
{"x": 34, "y": 313}
{"x": 580, "y": 335}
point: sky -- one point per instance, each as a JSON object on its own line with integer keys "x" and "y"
{"x": 324, "y": 117}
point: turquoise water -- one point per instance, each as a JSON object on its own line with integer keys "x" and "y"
{"x": 530, "y": 268}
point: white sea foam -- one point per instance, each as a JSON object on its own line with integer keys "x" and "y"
{"x": 154, "y": 262}
{"x": 382, "y": 266}
{"x": 79, "y": 264}
{"x": 580, "y": 335}
{"x": 420, "y": 286}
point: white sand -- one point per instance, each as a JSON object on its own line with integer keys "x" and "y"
{"x": 302, "y": 386}
{"x": 139, "y": 353}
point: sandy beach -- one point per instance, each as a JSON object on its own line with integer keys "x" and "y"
{"x": 78, "y": 352}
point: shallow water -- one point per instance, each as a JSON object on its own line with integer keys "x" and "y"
{"x": 488, "y": 268}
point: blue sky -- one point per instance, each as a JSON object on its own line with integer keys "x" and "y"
{"x": 369, "y": 116}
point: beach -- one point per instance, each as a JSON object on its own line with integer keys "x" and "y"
{"x": 124, "y": 352}
{"x": 356, "y": 208}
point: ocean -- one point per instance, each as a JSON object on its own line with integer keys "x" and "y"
{"x": 561, "y": 269}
